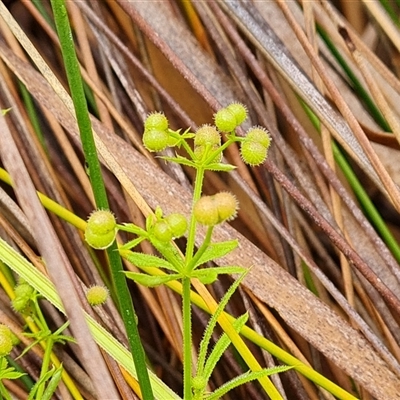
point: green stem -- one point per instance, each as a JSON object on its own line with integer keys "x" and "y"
{"x": 202, "y": 248}
{"x": 187, "y": 339}
{"x": 186, "y": 303}
{"x": 198, "y": 186}
{"x": 99, "y": 191}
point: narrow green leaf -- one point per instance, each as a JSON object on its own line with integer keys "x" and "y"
{"x": 220, "y": 167}
{"x": 151, "y": 280}
{"x": 52, "y": 385}
{"x": 217, "y": 250}
{"x": 205, "y": 276}
{"x": 213, "y": 322}
{"x": 10, "y": 373}
{"x": 220, "y": 347}
{"x": 244, "y": 378}
{"x": 148, "y": 260}
{"x": 210, "y": 275}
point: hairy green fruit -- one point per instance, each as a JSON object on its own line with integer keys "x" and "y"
{"x": 259, "y": 135}
{"x": 157, "y": 121}
{"x": 212, "y": 210}
{"x": 177, "y": 224}
{"x": 253, "y": 153}
{"x": 97, "y": 295}
{"x": 155, "y": 139}
{"x": 162, "y": 231}
{"x": 225, "y": 120}
{"x": 207, "y": 135}
{"x": 6, "y": 340}
{"x": 227, "y": 206}
{"x": 239, "y": 111}
{"x": 101, "y": 229}
{"x": 23, "y": 293}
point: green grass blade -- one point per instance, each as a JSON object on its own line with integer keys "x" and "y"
{"x": 99, "y": 191}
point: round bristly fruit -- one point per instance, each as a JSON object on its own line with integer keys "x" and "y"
{"x": 101, "y": 229}
{"x": 239, "y": 111}
{"x": 157, "y": 121}
{"x": 155, "y": 139}
{"x": 227, "y": 206}
{"x": 225, "y": 120}
{"x": 206, "y": 211}
{"x": 97, "y": 295}
{"x": 253, "y": 153}
{"x": 259, "y": 135}
{"x": 207, "y": 135}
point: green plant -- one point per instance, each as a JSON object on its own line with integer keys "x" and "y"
{"x": 208, "y": 211}
{"x": 25, "y": 300}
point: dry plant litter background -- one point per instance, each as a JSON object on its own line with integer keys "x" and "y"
{"x": 318, "y": 221}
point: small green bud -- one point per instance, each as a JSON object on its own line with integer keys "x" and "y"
{"x": 97, "y": 295}
{"x": 239, "y": 111}
{"x": 157, "y": 121}
{"x": 225, "y": 120}
{"x": 207, "y": 135}
{"x": 253, "y": 153}
{"x": 177, "y": 224}
{"x": 155, "y": 140}
{"x": 101, "y": 229}
{"x": 259, "y": 135}
{"x": 6, "y": 340}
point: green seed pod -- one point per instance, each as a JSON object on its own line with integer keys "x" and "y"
{"x": 206, "y": 211}
{"x": 227, "y": 206}
{"x": 253, "y": 153}
{"x": 6, "y": 340}
{"x": 101, "y": 229}
{"x": 157, "y": 121}
{"x": 155, "y": 140}
{"x": 225, "y": 120}
{"x": 177, "y": 224}
{"x": 207, "y": 135}
{"x": 162, "y": 231}
{"x": 97, "y": 295}
{"x": 239, "y": 111}
{"x": 259, "y": 135}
